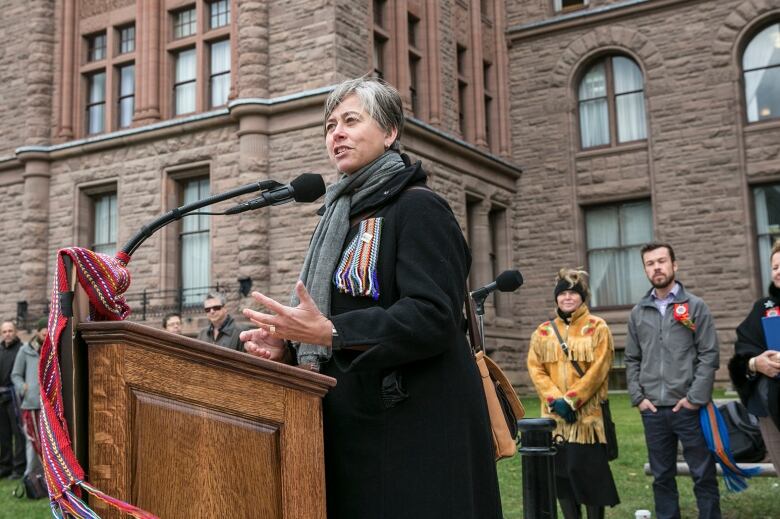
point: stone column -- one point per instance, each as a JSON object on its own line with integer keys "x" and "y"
{"x": 477, "y": 73}
{"x": 68, "y": 71}
{"x": 34, "y": 255}
{"x": 148, "y": 68}
{"x": 251, "y": 78}
{"x": 253, "y": 248}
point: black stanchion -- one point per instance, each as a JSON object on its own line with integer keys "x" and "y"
{"x": 537, "y": 451}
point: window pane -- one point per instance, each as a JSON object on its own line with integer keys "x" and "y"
{"x": 762, "y": 94}
{"x": 185, "y": 79}
{"x": 97, "y": 88}
{"x": 220, "y": 57}
{"x": 185, "y": 66}
{"x": 630, "y": 117}
{"x": 184, "y": 23}
{"x": 220, "y": 13}
{"x": 628, "y": 76}
{"x": 127, "y": 80}
{"x": 105, "y": 223}
{"x": 127, "y": 39}
{"x": 96, "y": 103}
{"x": 763, "y": 50}
{"x": 594, "y": 123}
{"x": 767, "y": 204}
{"x": 614, "y": 236}
{"x": 602, "y": 227}
{"x": 195, "y": 259}
{"x": 594, "y": 84}
{"x": 636, "y": 223}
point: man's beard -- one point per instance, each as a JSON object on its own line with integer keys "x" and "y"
{"x": 668, "y": 281}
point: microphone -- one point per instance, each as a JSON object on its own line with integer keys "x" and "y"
{"x": 307, "y": 187}
{"x": 507, "y": 281}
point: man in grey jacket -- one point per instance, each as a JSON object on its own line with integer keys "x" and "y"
{"x": 671, "y": 357}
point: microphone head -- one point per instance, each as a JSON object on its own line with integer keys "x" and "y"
{"x": 308, "y": 187}
{"x": 509, "y": 281}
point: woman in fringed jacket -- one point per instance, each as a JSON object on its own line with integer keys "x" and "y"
{"x": 583, "y": 476}
{"x": 754, "y": 368}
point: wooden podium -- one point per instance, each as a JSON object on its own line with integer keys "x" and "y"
{"x": 183, "y": 429}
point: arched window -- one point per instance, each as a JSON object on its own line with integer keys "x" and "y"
{"x": 761, "y": 69}
{"x": 611, "y": 103}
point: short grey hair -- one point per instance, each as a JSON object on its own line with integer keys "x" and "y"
{"x": 379, "y": 99}
{"x": 216, "y": 295}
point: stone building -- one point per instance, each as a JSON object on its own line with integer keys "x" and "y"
{"x": 561, "y": 132}
{"x": 641, "y": 119}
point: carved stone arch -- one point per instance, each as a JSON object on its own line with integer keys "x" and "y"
{"x": 731, "y": 37}
{"x": 605, "y": 39}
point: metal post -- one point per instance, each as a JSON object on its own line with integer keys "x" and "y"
{"x": 537, "y": 451}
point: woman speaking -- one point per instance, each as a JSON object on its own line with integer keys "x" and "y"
{"x": 379, "y": 307}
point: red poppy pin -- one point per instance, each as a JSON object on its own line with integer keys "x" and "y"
{"x": 683, "y": 316}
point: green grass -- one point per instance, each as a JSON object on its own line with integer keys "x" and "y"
{"x": 759, "y": 501}
{"x": 13, "y": 508}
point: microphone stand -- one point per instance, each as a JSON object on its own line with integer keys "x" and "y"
{"x": 176, "y": 214}
{"x": 479, "y": 309}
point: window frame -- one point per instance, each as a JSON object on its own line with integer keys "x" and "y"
{"x": 611, "y": 100}
{"x": 762, "y": 258}
{"x": 84, "y": 232}
{"x": 747, "y": 41}
{"x": 621, "y": 247}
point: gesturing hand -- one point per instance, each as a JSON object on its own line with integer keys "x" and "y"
{"x": 303, "y": 323}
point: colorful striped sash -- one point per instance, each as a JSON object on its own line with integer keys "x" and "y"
{"x": 105, "y": 280}
{"x": 356, "y": 272}
{"x": 717, "y": 436}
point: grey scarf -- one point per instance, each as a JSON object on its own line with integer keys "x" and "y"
{"x": 328, "y": 240}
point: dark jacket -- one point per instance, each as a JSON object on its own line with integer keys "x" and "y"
{"x": 665, "y": 360}
{"x": 760, "y": 394}
{"x": 406, "y": 427}
{"x": 7, "y": 358}
{"x": 228, "y": 336}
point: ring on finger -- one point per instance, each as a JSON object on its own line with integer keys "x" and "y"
{"x": 271, "y": 329}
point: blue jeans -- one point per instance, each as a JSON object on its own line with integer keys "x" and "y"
{"x": 662, "y": 430}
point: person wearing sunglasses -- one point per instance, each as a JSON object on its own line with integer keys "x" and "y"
{"x": 222, "y": 330}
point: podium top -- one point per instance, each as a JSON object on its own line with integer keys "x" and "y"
{"x": 113, "y": 332}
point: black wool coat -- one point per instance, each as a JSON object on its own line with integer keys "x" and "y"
{"x": 761, "y": 395}
{"x": 406, "y": 428}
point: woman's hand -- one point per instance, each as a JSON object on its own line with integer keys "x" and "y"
{"x": 768, "y": 363}
{"x": 303, "y": 323}
{"x": 261, "y": 344}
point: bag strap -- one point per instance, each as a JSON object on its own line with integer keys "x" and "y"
{"x": 565, "y": 348}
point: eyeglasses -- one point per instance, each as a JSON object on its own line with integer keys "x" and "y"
{"x": 216, "y": 308}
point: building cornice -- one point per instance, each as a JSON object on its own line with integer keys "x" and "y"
{"x": 273, "y": 115}
{"x": 588, "y": 16}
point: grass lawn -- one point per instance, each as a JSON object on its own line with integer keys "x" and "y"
{"x": 759, "y": 501}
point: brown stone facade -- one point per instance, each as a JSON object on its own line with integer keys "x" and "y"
{"x": 285, "y": 56}
{"x": 697, "y": 167}
{"x": 498, "y": 94}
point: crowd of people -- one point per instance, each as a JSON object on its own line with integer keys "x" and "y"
{"x": 379, "y": 306}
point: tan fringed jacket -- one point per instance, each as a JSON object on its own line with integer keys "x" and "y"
{"x": 590, "y": 344}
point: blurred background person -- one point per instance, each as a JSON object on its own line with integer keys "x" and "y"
{"x": 583, "y": 476}
{"x": 753, "y": 367}
{"x": 172, "y": 322}
{"x": 379, "y": 306}
{"x": 25, "y": 379}
{"x": 12, "y": 459}
{"x": 222, "y": 330}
